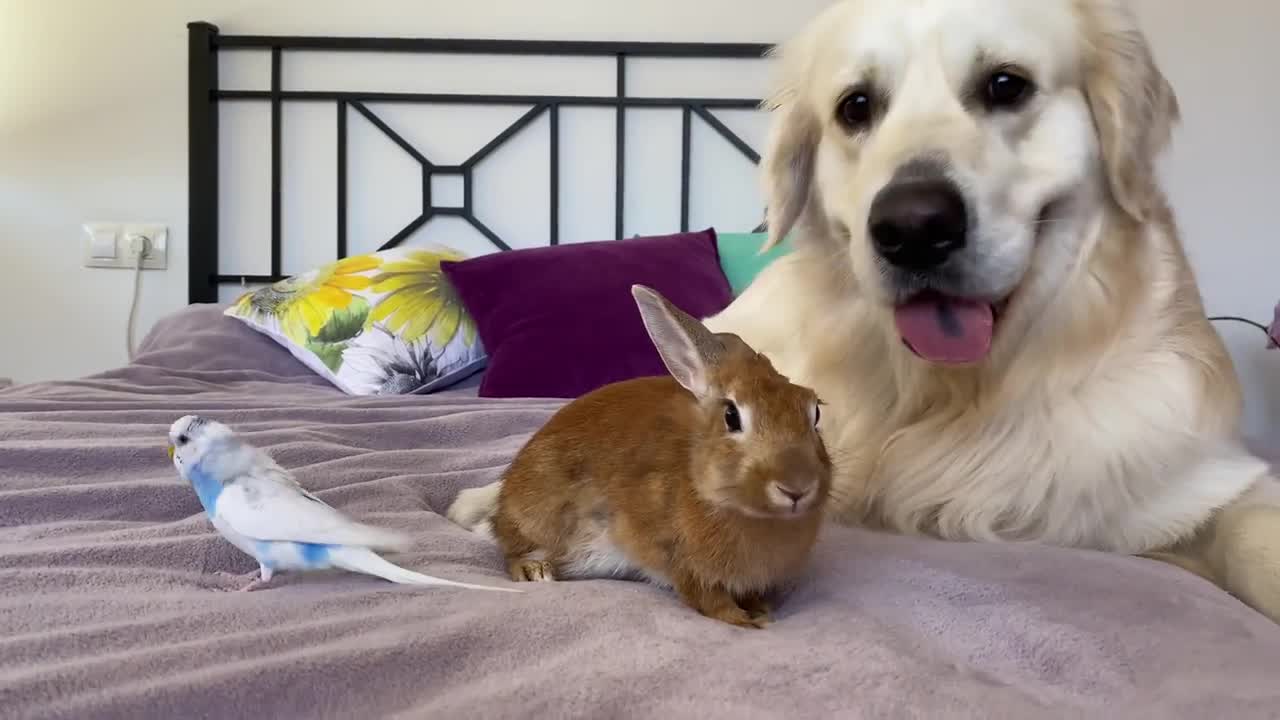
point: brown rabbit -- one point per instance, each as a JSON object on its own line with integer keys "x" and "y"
{"x": 711, "y": 481}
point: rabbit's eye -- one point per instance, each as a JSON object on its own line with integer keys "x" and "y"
{"x": 817, "y": 414}
{"x": 732, "y": 419}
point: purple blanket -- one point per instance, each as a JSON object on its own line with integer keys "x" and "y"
{"x": 109, "y": 602}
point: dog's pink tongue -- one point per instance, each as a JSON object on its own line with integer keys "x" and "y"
{"x": 946, "y": 330}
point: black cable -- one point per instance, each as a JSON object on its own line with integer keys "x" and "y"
{"x": 1231, "y": 318}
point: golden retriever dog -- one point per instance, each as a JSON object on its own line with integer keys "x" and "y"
{"x": 989, "y": 291}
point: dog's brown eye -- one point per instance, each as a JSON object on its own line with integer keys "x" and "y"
{"x": 1007, "y": 89}
{"x": 855, "y": 110}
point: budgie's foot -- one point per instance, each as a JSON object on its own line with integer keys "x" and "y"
{"x": 264, "y": 577}
{"x": 531, "y": 571}
{"x": 258, "y": 582}
{"x": 238, "y": 579}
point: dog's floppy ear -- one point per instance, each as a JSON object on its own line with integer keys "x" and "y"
{"x": 788, "y": 162}
{"x": 1133, "y": 105}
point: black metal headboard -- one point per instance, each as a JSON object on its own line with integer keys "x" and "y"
{"x": 204, "y": 96}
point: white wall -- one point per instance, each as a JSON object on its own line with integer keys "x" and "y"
{"x": 1222, "y": 173}
{"x": 93, "y": 126}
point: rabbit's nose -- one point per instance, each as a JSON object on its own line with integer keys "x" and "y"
{"x": 787, "y": 497}
{"x": 794, "y": 495}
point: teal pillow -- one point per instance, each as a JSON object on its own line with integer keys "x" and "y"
{"x": 740, "y": 257}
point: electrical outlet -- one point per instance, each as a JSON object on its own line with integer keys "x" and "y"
{"x": 157, "y": 257}
{"x": 110, "y": 245}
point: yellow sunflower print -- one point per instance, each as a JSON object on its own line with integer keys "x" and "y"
{"x": 303, "y": 305}
{"x": 419, "y": 298}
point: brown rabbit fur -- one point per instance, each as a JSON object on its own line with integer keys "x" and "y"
{"x": 711, "y": 481}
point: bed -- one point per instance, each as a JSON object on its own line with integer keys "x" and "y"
{"x": 111, "y": 601}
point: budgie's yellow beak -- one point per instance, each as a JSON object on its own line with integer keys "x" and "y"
{"x": 170, "y": 451}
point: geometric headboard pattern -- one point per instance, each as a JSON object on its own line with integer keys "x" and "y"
{"x": 206, "y": 96}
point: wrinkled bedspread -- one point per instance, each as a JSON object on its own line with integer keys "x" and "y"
{"x": 110, "y": 605}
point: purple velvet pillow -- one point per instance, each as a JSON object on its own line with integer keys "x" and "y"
{"x": 560, "y": 321}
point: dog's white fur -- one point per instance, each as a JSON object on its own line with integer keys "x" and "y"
{"x": 1106, "y": 415}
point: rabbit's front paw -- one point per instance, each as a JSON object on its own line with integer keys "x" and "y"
{"x": 531, "y": 571}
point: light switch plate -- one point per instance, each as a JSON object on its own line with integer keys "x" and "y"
{"x": 123, "y": 233}
{"x": 101, "y": 244}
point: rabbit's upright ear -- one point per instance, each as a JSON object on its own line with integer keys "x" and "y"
{"x": 688, "y": 348}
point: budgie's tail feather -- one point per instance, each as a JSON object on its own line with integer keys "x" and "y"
{"x": 379, "y": 538}
{"x": 363, "y": 560}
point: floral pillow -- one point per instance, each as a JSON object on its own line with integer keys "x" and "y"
{"x": 388, "y": 323}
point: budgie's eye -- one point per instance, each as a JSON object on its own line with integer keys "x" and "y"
{"x": 182, "y": 439}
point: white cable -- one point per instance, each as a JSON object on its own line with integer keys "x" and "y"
{"x": 139, "y": 253}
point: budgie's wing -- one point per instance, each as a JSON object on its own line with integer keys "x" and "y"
{"x": 266, "y": 504}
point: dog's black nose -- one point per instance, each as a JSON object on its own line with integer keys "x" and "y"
{"x": 918, "y": 224}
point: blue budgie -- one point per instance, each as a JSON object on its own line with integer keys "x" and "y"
{"x": 256, "y": 505}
